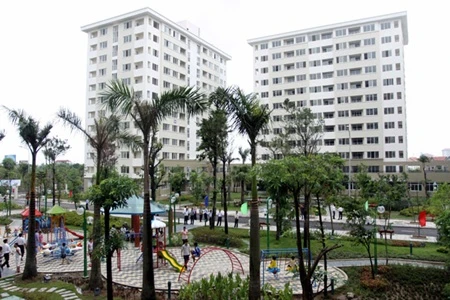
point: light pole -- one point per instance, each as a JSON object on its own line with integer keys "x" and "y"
{"x": 349, "y": 160}
{"x": 172, "y": 200}
{"x": 81, "y": 210}
{"x": 267, "y": 222}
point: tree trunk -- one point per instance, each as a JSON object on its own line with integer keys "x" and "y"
{"x": 30, "y": 269}
{"x": 95, "y": 279}
{"x": 255, "y": 259}
{"x": 242, "y": 192}
{"x": 278, "y": 217}
{"x": 109, "y": 284}
{"x": 53, "y": 183}
{"x": 224, "y": 186}
{"x": 213, "y": 215}
{"x": 322, "y": 233}
{"x": 148, "y": 277}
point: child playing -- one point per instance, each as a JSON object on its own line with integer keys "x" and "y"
{"x": 196, "y": 252}
{"x": 292, "y": 265}
{"x": 185, "y": 252}
{"x": 63, "y": 254}
{"x": 272, "y": 268}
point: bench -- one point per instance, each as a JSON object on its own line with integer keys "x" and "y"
{"x": 262, "y": 225}
{"x": 386, "y": 231}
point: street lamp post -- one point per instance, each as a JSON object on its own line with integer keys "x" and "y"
{"x": 81, "y": 210}
{"x": 267, "y": 222}
{"x": 172, "y": 200}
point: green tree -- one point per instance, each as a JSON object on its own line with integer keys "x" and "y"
{"x": 147, "y": 116}
{"x": 9, "y": 166}
{"x": 241, "y": 176}
{"x": 443, "y": 226}
{"x": 111, "y": 193}
{"x": 213, "y": 136}
{"x": 35, "y": 137}
{"x": 106, "y": 131}
{"x": 54, "y": 148}
{"x": 177, "y": 179}
{"x": 249, "y": 117}
{"x": 440, "y": 200}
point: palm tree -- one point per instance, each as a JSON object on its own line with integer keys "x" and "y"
{"x": 243, "y": 153}
{"x": 54, "y": 148}
{"x": 2, "y": 135}
{"x": 425, "y": 160}
{"x": 147, "y": 116}
{"x": 250, "y": 118}
{"x": 105, "y": 132}
{"x": 35, "y": 138}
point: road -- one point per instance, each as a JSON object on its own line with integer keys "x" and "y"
{"x": 399, "y": 229}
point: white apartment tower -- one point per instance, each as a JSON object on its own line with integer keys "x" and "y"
{"x": 351, "y": 74}
{"x": 152, "y": 54}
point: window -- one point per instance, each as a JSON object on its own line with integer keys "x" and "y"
{"x": 386, "y": 39}
{"x": 385, "y": 25}
{"x": 265, "y": 82}
{"x": 343, "y": 113}
{"x": 314, "y": 50}
{"x": 265, "y": 95}
{"x": 276, "y": 55}
{"x": 398, "y": 81}
{"x": 387, "y": 68}
{"x": 328, "y": 142}
{"x": 300, "y": 65}
{"x": 369, "y": 27}
{"x": 371, "y": 111}
{"x": 372, "y": 126}
{"x": 315, "y": 76}
{"x": 372, "y": 140}
{"x": 356, "y": 71}
{"x": 341, "y": 59}
{"x": 342, "y": 100}
{"x": 371, "y": 97}
{"x": 373, "y": 154}
{"x": 314, "y": 63}
{"x": 276, "y": 68}
{"x": 127, "y": 25}
{"x": 397, "y": 67}
{"x": 370, "y": 69}
{"x": 300, "y": 39}
{"x": 276, "y": 44}
{"x": 397, "y": 52}
{"x": 399, "y": 110}
{"x": 400, "y": 139}
{"x": 368, "y": 42}
{"x": 127, "y": 39}
{"x": 389, "y": 125}
{"x": 103, "y": 58}
{"x": 264, "y": 58}
{"x": 388, "y": 96}
{"x": 391, "y": 169}
{"x": 301, "y": 77}
{"x": 341, "y": 46}
{"x": 399, "y": 95}
{"x": 389, "y": 154}
{"x": 300, "y": 52}
{"x": 342, "y": 72}
{"x": 389, "y": 139}
{"x": 314, "y": 37}
{"x": 103, "y": 45}
{"x": 126, "y": 67}
{"x": 127, "y": 53}
{"x": 370, "y": 55}
{"x": 388, "y": 110}
{"x": 277, "y": 80}
{"x": 315, "y": 89}
{"x": 124, "y": 169}
{"x": 341, "y": 32}
{"x": 386, "y": 53}
{"x": 264, "y": 46}
{"x": 388, "y": 81}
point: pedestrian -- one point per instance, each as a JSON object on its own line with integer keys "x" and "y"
{"x": 210, "y": 217}
{"x": 87, "y": 204}
{"x": 17, "y": 256}
{"x": 236, "y": 220}
{"x": 219, "y": 218}
{"x": 90, "y": 248}
{"x": 186, "y": 215}
{"x": 21, "y": 242}
{"x": 200, "y": 214}
{"x": 192, "y": 215}
{"x": 63, "y": 250}
{"x": 205, "y": 214}
{"x": 6, "y": 251}
{"x": 302, "y": 211}
{"x": 185, "y": 252}
{"x": 333, "y": 211}
{"x": 340, "y": 211}
{"x": 41, "y": 239}
{"x": 184, "y": 234}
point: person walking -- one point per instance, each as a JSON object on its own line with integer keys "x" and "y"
{"x": 340, "y": 211}
{"x": 192, "y": 215}
{"x": 205, "y": 215}
{"x": 63, "y": 250}
{"x": 236, "y": 219}
{"x": 90, "y": 248}
{"x": 219, "y": 218}
{"x": 21, "y": 242}
{"x": 6, "y": 251}
{"x": 17, "y": 256}
{"x": 1, "y": 258}
{"x": 185, "y": 252}
{"x": 87, "y": 204}
{"x": 184, "y": 234}
{"x": 186, "y": 215}
{"x": 333, "y": 211}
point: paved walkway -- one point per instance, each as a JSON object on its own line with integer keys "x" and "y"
{"x": 7, "y": 286}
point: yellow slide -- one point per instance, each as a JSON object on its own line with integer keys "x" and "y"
{"x": 172, "y": 261}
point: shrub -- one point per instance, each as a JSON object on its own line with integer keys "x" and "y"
{"x": 375, "y": 284}
{"x": 446, "y": 291}
{"x": 406, "y": 244}
{"x": 442, "y": 250}
{"x": 217, "y": 237}
{"x": 413, "y": 210}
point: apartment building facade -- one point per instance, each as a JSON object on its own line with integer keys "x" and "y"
{"x": 351, "y": 75}
{"x": 152, "y": 54}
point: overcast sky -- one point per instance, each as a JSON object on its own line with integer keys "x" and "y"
{"x": 43, "y": 54}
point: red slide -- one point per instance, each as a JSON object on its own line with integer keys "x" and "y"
{"x": 74, "y": 233}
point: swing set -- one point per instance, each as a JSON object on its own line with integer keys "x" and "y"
{"x": 283, "y": 257}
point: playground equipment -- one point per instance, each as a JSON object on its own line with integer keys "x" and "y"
{"x": 159, "y": 242}
{"x": 58, "y": 228}
{"x": 41, "y": 222}
{"x": 236, "y": 265}
{"x": 172, "y": 261}
{"x": 283, "y": 257}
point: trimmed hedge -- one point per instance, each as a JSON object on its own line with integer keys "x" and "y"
{"x": 217, "y": 237}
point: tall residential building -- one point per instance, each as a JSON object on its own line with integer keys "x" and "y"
{"x": 152, "y": 54}
{"x": 351, "y": 74}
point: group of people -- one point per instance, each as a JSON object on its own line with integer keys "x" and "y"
{"x": 273, "y": 268}
{"x": 333, "y": 210}
{"x": 186, "y": 251}
{"x": 6, "y": 252}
